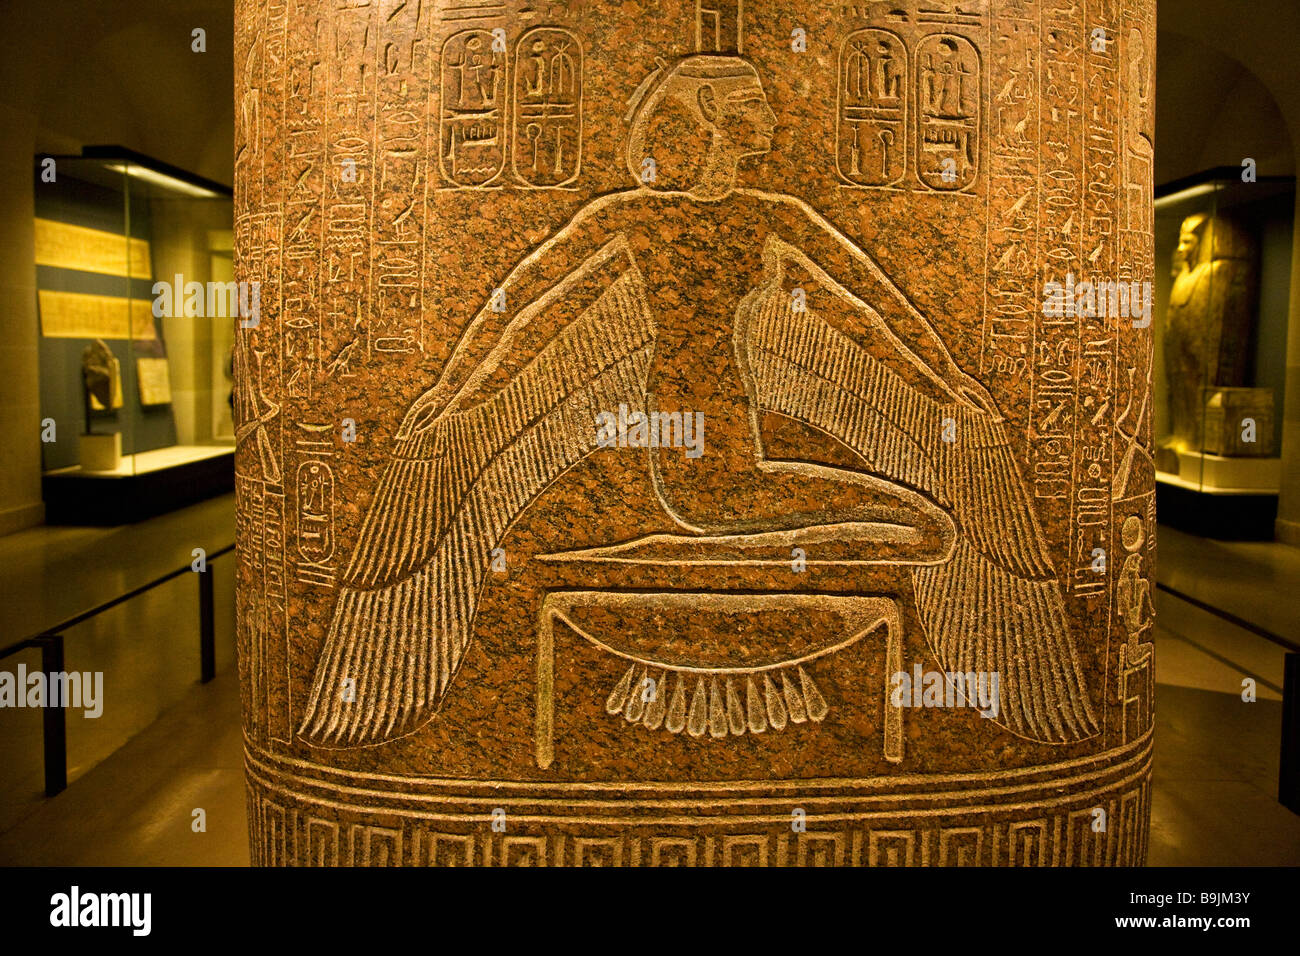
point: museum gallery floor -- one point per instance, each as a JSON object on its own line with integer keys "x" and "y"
{"x": 656, "y": 446}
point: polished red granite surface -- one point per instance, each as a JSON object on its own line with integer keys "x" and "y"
{"x": 655, "y": 446}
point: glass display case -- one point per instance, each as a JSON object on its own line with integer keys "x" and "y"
{"x": 137, "y": 304}
{"x": 1221, "y": 296}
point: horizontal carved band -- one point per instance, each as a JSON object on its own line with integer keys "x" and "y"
{"x": 305, "y": 815}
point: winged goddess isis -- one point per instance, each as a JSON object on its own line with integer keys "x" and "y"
{"x": 631, "y": 302}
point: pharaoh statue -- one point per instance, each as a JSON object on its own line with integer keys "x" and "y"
{"x": 1208, "y": 330}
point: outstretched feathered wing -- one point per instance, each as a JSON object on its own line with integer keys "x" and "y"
{"x": 995, "y": 606}
{"x": 405, "y": 610}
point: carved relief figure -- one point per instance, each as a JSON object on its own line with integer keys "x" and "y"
{"x": 1208, "y": 326}
{"x": 1134, "y": 607}
{"x": 629, "y": 303}
{"x": 253, "y": 410}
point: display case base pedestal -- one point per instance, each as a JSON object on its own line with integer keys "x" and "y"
{"x": 1211, "y": 513}
{"x": 142, "y": 486}
{"x": 101, "y": 453}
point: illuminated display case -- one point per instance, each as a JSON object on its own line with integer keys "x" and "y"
{"x": 137, "y": 305}
{"x": 1221, "y": 296}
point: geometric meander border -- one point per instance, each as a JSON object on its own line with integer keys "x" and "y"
{"x": 324, "y": 824}
{"x": 292, "y": 837}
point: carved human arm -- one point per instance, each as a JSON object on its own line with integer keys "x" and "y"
{"x": 882, "y": 308}
{"x": 500, "y": 326}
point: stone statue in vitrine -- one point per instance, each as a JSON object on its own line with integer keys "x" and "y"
{"x": 101, "y": 388}
{"x": 101, "y": 391}
{"x": 1209, "y": 320}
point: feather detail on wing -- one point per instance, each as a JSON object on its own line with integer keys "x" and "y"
{"x": 406, "y": 606}
{"x": 995, "y": 605}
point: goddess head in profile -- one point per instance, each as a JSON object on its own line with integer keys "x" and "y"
{"x": 694, "y": 121}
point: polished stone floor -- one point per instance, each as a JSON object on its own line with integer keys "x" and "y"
{"x": 178, "y": 741}
{"x": 1214, "y": 794}
{"x": 147, "y": 648}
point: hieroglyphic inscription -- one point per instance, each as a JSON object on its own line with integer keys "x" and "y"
{"x": 261, "y": 536}
{"x": 908, "y": 98}
{"x": 308, "y": 178}
{"x": 314, "y": 513}
{"x": 1056, "y": 343}
{"x": 349, "y": 216}
{"x": 473, "y": 137}
{"x": 273, "y": 569}
{"x": 1134, "y": 609}
{"x": 1012, "y": 296}
{"x": 947, "y": 111}
{"x": 1098, "y": 327}
{"x": 250, "y": 604}
{"x": 526, "y": 107}
{"x": 315, "y": 510}
{"x": 548, "y": 107}
{"x": 871, "y": 118}
{"x": 1133, "y": 478}
{"x": 396, "y": 320}
{"x": 268, "y": 111}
